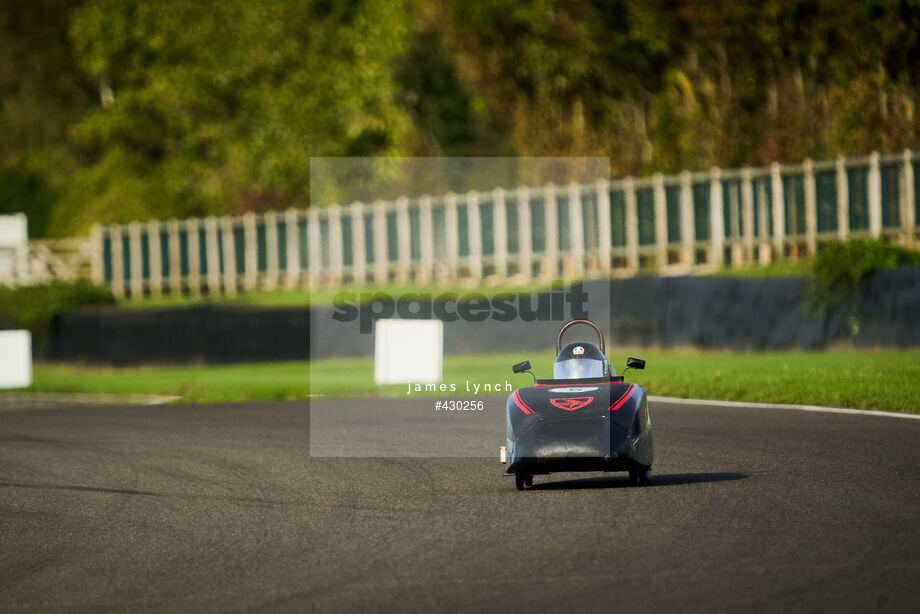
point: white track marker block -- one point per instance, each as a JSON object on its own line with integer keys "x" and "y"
{"x": 15, "y": 359}
{"x": 408, "y": 351}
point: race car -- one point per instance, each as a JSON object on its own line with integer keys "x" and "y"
{"x": 584, "y": 419}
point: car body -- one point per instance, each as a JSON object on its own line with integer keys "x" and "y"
{"x": 599, "y": 423}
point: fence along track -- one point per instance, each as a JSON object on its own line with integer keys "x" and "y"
{"x": 688, "y": 222}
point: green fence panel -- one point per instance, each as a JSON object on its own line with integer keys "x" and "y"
{"x": 537, "y": 224}
{"x": 563, "y": 224}
{"x": 701, "y": 211}
{"x": 184, "y": 265}
{"x": 438, "y": 229}
{"x": 370, "y": 253}
{"x": 303, "y": 244}
{"x": 282, "y": 245}
{"x": 512, "y": 214}
{"x": 203, "y": 251}
{"x": 672, "y": 203}
{"x": 145, "y": 256}
{"x": 916, "y": 169}
{"x": 415, "y": 234}
{"x": 348, "y": 257}
{"x": 165, "y": 264}
{"x": 107, "y": 258}
{"x": 239, "y": 250}
{"x": 617, "y": 218}
{"x": 891, "y": 194}
{"x": 858, "y": 187}
{"x": 487, "y": 227}
{"x": 826, "y": 200}
{"x": 392, "y": 225}
{"x": 589, "y": 220}
{"x": 221, "y": 267}
{"x": 463, "y": 230}
{"x": 645, "y": 212}
{"x": 261, "y": 248}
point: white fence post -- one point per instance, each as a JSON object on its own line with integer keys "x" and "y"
{"x": 687, "y": 224}
{"x": 908, "y": 203}
{"x": 661, "y": 221}
{"x": 212, "y": 253}
{"x": 843, "y": 199}
{"x": 451, "y": 235}
{"x": 314, "y": 247}
{"x": 747, "y": 214}
{"x": 118, "y": 261}
{"x": 97, "y": 266}
{"x": 270, "y": 219}
{"x": 358, "y": 244}
{"x": 228, "y": 241}
{"x": 426, "y": 239}
{"x": 336, "y": 245}
{"x": 474, "y": 228}
{"x": 175, "y": 257}
{"x": 525, "y": 238}
{"x": 155, "y": 248}
{"x": 250, "y": 251}
{"x": 550, "y": 232}
{"x": 875, "y": 196}
{"x": 576, "y": 230}
{"x": 764, "y": 249}
{"x": 136, "y": 281}
{"x": 604, "y": 234}
{"x": 403, "y": 239}
{"x": 292, "y": 247}
{"x": 811, "y": 208}
{"x": 779, "y": 211}
{"x": 500, "y": 232}
{"x": 632, "y": 225}
{"x": 194, "y": 256}
{"x": 716, "y": 219}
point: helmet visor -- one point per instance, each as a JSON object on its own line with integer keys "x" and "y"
{"x": 578, "y": 368}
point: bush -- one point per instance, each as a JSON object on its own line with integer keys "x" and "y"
{"x": 34, "y": 307}
{"x": 836, "y": 272}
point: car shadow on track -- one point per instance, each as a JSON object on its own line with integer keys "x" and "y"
{"x": 622, "y": 481}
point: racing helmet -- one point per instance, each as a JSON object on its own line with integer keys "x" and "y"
{"x": 580, "y": 361}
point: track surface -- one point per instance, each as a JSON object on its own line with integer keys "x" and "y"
{"x": 221, "y": 508}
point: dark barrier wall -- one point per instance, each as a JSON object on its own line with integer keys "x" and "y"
{"x": 703, "y": 312}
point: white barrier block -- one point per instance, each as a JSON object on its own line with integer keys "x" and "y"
{"x": 408, "y": 351}
{"x": 15, "y": 358}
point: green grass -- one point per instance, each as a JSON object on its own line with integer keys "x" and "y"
{"x": 864, "y": 379}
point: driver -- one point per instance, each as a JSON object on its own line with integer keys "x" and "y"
{"x": 581, "y": 361}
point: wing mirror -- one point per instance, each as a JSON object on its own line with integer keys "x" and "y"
{"x": 524, "y": 367}
{"x": 521, "y": 367}
{"x": 635, "y": 363}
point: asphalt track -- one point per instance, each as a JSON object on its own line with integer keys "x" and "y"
{"x": 221, "y": 508}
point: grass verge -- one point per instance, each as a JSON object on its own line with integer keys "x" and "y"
{"x": 862, "y": 379}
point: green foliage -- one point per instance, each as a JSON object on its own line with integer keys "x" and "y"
{"x": 116, "y": 110}
{"x": 34, "y": 307}
{"x": 836, "y": 272}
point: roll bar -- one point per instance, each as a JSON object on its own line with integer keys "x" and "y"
{"x": 568, "y": 325}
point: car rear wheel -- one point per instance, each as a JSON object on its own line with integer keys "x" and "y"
{"x": 519, "y": 480}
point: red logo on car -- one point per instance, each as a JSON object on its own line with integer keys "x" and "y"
{"x": 571, "y": 403}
